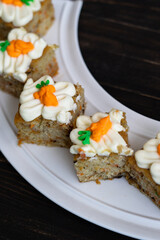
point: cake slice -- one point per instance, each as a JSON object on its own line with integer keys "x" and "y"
{"x": 100, "y": 146}
{"x": 35, "y": 16}
{"x": 143, "y": 170}
{"x": 24, "y": 55}
{"x": 47, "y": 111}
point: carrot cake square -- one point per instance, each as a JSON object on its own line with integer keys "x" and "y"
{"x": 34, "y": 15}
{"x": 47, "y": 111}
{"x": 100, "y": 146}
{"x": 24, "y": 55}
{"x": 143, "y": 169}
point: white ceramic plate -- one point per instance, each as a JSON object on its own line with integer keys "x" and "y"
{"x": 113, "y": 204}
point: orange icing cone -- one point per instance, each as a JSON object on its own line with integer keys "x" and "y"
{"x": 18, "y": 47}
{"x": 46, "y": 96}
{"x": 13, "y": 2}
{"x": 158, "y": 149}
{"x": 100, "y": 128}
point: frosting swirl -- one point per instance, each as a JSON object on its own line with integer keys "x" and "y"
{"x": 32, "y": 108}
{"x": 110, "y": 142}
{"x": 149, "y": 158}
{"x": 19, "y": 15}
{"x": 19, "y": 65}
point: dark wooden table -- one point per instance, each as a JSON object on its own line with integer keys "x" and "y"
{"x": 120, "y": 42}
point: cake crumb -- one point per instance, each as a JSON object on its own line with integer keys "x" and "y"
{"x": 32, "y": 125}
{"x": 98, "y": 182}
{"x": 20, "y": 142}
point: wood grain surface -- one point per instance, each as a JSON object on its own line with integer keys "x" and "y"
{"x": 120, "y": 43}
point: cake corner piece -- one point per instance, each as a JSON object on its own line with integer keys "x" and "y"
{"x": 47, "y": 112}
{"x": 143, "y": 169}
{"x": 29, "y": 57}
{"x": 100, "y": 146}
{"x": 35, "y": 17}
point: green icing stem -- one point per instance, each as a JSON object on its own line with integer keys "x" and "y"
{"x": 42, "y": 84}
{"x": 4, "y": 45}
{"x": 84, "y": 137}
{"x": 27, "y": 2}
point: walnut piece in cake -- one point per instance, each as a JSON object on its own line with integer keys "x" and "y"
{"x": 47, "y": 111}
{"x": 35, "y": 16}
{"x": 143, "y": 170}
{"x": 24, "y": 55}
{"x": 100, "y": 146}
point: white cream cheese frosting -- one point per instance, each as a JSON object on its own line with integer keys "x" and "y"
{"x": 110, "y": 142}
{"x": 32, "y": 108}
{"x": 149, "y": 158}
{"x": 19, "y": 15}
{"x": 19, "y": 65}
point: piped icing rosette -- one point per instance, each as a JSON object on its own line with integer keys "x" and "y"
{"x": 53, "y": 101}
{"x": 99, "y": 135}
{"x": 18, "y": 12}
{"x": 149, "y": 158}
{"x": 17, "y": 53}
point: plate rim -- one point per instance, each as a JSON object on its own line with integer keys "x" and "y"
{"x": 19, "y": 166}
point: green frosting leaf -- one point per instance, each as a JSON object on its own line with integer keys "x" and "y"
{"x": 47, "y": 82}
{"x": 84, "y": 137}
{"x": 4, "y": 45}
{"x": 27, "y": 2}
{"x": 42, "y": 84}
{"x": 38, "y": 86}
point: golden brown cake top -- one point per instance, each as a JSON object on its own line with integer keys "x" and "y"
{"x": 100, "y": 134}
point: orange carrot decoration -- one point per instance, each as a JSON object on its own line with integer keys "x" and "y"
{"x": 100, "y": 128}
{"x": 46, "y": 96}
{"x": 158, "y": 149}
{"x": 18, "y": 47}
{"x": 13, "y": 2}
